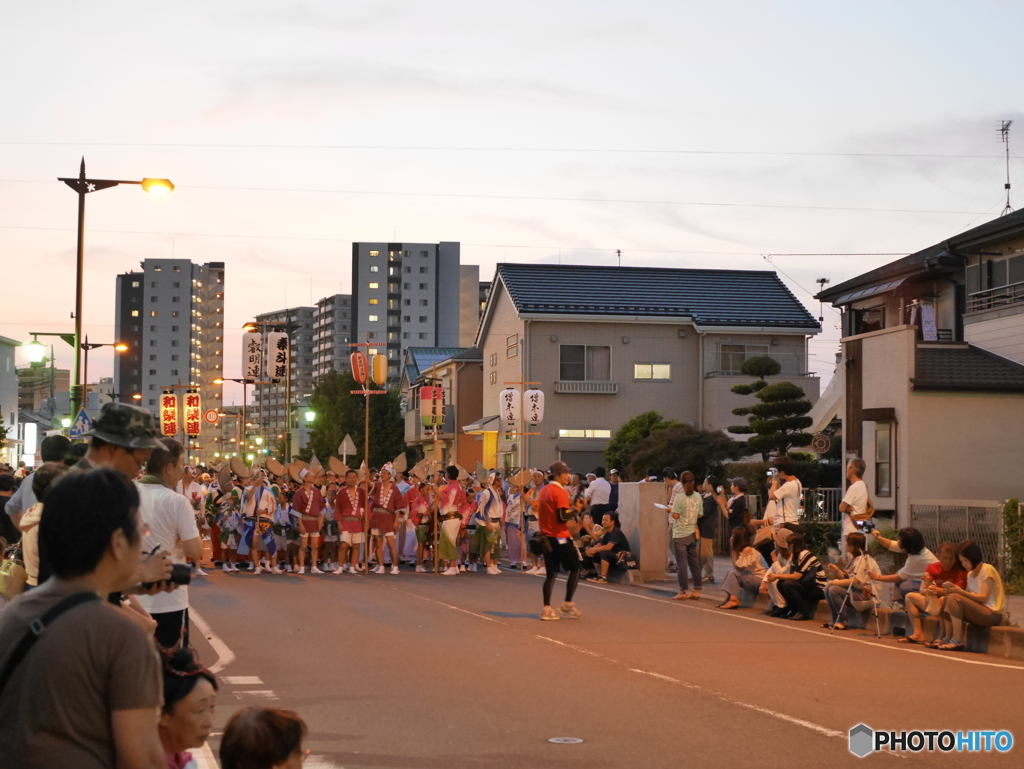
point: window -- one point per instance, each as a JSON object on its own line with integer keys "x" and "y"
{"x": 158, "y": 268}
{"x": 652, "y": 371}
{"x": 152, "y": 284}
{"x": 373, "y": 318}
{"x": 406, "y": 318}
{"x": 152, "y": 328}
{"x": 407, "y": 302}
{"x": 154, "y": 298}
{"x": 883, "y": 459}
{"x": 584, "y": 363}
{"x": 152, "y": 343}
{"x": 423, "y": 318}
{"x": 731, "y": 356}
{"x": 375, "y": 253}
{"x": 135, "y": 284}
{"x": 494, "y": 359}
{"x": 424, "y": 302}
{"x": 423, "y": 336}
{"x": 375, "y": 285}
{"x": 152, "y": 387}
{"x": 176, "y": 284}
{"x": 176, "y": 299}
{"x": 174, "y": 313}
{"x": 584, "y": 433}
{"x": 174, "y": 372}
{"x": 374, "y": 268}
{"x": 174, "y": 328}
{"x": 512, "y": 346}
{"x": 174, "y": 358}
{"x": 406, "y": 335}
{"x": 374, "y": 301}
{"x": 152, "y": 372}
{"x": 424, "y": 254}
{"x": 177, "y": 269}
{"x": 152, "y": 401}
{"x": 174, "y": 343}
{"x": 135, "y": 313}
{"x": 424, "y": 270}
{"x": 424, "y": 286}
{"x": 408, "y": 269}
{"x": 152, "y": 357}
{"x": 494, "y": 377}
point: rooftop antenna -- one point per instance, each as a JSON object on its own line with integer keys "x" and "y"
{"x": 822, "y": 282}
{"x": 618, "y": 253}
{"x": 1004, "y": 137}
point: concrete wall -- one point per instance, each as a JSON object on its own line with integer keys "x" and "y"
{"x": 645, "y": 525}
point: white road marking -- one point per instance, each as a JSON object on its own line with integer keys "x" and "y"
{"x": 204, "y": 758}
{"x": 242, "y": 680}
{"x": 789, "y": 626}
{"x": 224, "y": 655}
{"x": 823, "y": 730}
{"x": 266, "y": 694}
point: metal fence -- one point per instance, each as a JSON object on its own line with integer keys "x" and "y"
{"x": 955, "y": 523}
{"x": 822, "y": 505}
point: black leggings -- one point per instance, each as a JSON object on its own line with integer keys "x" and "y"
{"x": 566, "y": 556}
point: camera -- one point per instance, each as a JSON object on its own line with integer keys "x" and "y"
{"x": 181, "y": 574}
{"x": 865, "y": 526}
{"x": 772, "y": 472}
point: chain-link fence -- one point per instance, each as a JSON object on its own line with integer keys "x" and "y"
{"x": 956, "y": 523}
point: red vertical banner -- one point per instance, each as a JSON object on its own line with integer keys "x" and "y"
{"x": 169, "y": 413}
{"x": 193, "y": 413}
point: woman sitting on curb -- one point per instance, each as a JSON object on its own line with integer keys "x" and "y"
{"x": 932, "y": 598}
{"x": 779, "y": 565}
{"x": 981, "y": 604}
{"x": 919, "y": 558}
{"x": 803, "y": 585}
{"x": 855, "y": 588}
{"x": 748, "y": 568}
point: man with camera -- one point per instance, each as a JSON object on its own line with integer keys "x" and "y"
{"x": 854, "y": 506}
{"x": 172, "y": 524}
{"x": 785, "y": 491}
{"x": 557, "y": 524}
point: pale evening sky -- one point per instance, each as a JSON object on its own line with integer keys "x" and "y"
{"x": 538, "y": 132}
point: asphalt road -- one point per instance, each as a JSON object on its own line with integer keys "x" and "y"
{"x": 422, "y": 671}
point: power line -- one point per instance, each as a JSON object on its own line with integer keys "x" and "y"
{"x": 549, "y": 199}
{"x": 429, "y": 148}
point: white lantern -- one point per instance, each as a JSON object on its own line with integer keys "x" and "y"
{"x": 277, "y": 355}
{"x": 509, "y": 404}
{"x": 252, "y": 355}
{"x": 533, "y": 406}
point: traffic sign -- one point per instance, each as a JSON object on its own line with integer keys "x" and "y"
{"x": 81, "y": 425}
{"x": 211, "y": 416}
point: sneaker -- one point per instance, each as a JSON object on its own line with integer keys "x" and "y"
{"x": 472, "y": 568}
{"x": 277, "y": 570}
{"x": 542, "y": 571}
{"x": 421, "y": 570}
{"x": 569, "y": 611}
{"x": 301, "y": 570}
{"x": 315, "y": 570}
{"x": 290, "y": 569}
{"x": 259, "y": 570}
{"x": 450, "y": 572}
{"x": 234, "y": 567}
{"x": 339, "y": 570}
{"x": 462, "y": 568}
{"x": 493, "y": 570}
{"x": 199, "y": 572}
{"x": 394, "y": 569}
{"x": 549, "y": 614}
{"x": 378, "y": 570}
{"x": 227, "y": 569}
{"x": 514, "y": 565}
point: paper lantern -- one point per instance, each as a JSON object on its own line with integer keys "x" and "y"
{"x": 277, "y": 355}
{"x": 533, "y": 406}
{"x": 168, "y": 413}
{"x": 509, "y": 405}
{"x": 379, "y": 368}
{"x": 431, "y": 406}
{"x": 252, "y": 355}
{"x": 360, "y": 370}
{"x": 193, "y": 412}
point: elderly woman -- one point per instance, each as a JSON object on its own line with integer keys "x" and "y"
{"x": 186, "y": 719}
{"x": 981, "y": 604}
{"x": 919, "y": 558}
{"x": 855, "y": 586}
{"x": 747, "y": 571}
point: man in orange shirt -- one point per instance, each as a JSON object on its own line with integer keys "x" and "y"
{"x": 557, "y": 523}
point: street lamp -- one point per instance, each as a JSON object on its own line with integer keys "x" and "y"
{"x": 83, "y": 186}
{"x": 310, "y": 416}
{"x": 35, "y": 350}
{"x": 137, "y": 396}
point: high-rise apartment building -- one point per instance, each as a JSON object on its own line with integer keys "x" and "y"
{"x": 171, "y": 316}
{"x": 268, "y": 405}
{"x": 332, "y": 332}
{"x": 412, "y": 295}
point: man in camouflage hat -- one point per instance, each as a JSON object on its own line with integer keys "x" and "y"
{"x": 123, "y": 437}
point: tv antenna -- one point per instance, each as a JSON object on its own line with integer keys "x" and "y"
{"x": 1004, "y": 137}
{"x": 822, "y": 282}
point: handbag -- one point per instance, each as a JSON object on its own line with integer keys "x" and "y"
{"x": 867, "y": 515}
{"x": 626, "y": 560}
{"x": 12, "y": 578}
{"x": 763, "y": 535}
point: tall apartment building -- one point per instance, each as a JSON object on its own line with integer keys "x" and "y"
{"x": 332, "y": 332}
{"x": 412, "y": 295}
{"x": 171, "y": 316}
{"x": 268, "y": 406}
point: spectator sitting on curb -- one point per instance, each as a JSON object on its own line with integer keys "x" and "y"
{"x": 748, "y": 569}
{"x": 931, "y": 599}
{"x": 780, "y": 565}
{"x": 919, "y": 558}
{"x": 803, "y": 584}
{"x": 263, "y": 738}
{"x": 613, "y": 542}
{"x": 854, "y": 585}
{"x": 981, "y": 604}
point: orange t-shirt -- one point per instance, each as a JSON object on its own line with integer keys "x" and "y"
{"x": 550, "y": 500}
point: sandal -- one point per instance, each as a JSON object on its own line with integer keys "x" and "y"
{"x": 729, "y": 604}
{"x": 838, "y": 626}
{"x": 694, "y": 596}
{"x": 909, "y": 640}
{"x": 948, "y": 647}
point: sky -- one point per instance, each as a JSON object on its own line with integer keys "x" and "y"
{"x": 817, "y": 139}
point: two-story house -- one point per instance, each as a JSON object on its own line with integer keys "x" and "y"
{"x": 932, "y": 394}
{"x": 608, "y": 343}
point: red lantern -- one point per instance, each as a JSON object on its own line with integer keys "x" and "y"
{"x": 360, "y": 369}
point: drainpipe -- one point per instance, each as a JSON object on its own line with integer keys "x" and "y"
{"x": 701, "y": 338}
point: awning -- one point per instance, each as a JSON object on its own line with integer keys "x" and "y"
{"x": 832, "y": 402}
{"x": 480, "y": 426}
{"x": 867, "y": 293}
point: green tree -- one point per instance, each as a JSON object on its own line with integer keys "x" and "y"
{"x": 623, "y": 443}
{"x": 340, "y": 413}
{"x": 779, "y": 420}
{"x": 684, "y": 448}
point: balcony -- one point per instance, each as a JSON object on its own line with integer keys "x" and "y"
{"x": 586, "y": 388}
{"x": 996, "y": 298}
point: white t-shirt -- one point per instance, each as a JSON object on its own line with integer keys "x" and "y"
{"x": 857, "y": 498}
{"x": 194, "y": 494}
{"x": 788, "y": 508}
{"x": 915, "y": 566}
{"x": 598, "y": 492}
{"x": 171, "y": 521}
{"x": 996, "y": 599}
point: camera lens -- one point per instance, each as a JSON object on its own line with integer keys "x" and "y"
{"x": 181, "y": 574}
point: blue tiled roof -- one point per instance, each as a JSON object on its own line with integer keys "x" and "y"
{"x": 420, "y": 359}
{"x": 710, "y": 297}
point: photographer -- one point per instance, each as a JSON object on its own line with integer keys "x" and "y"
{"x": 908, "y": 579}
{"x": 87, "y": 690}
{"x": 172, "y": 524}
{"x": 784, "y": 493}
